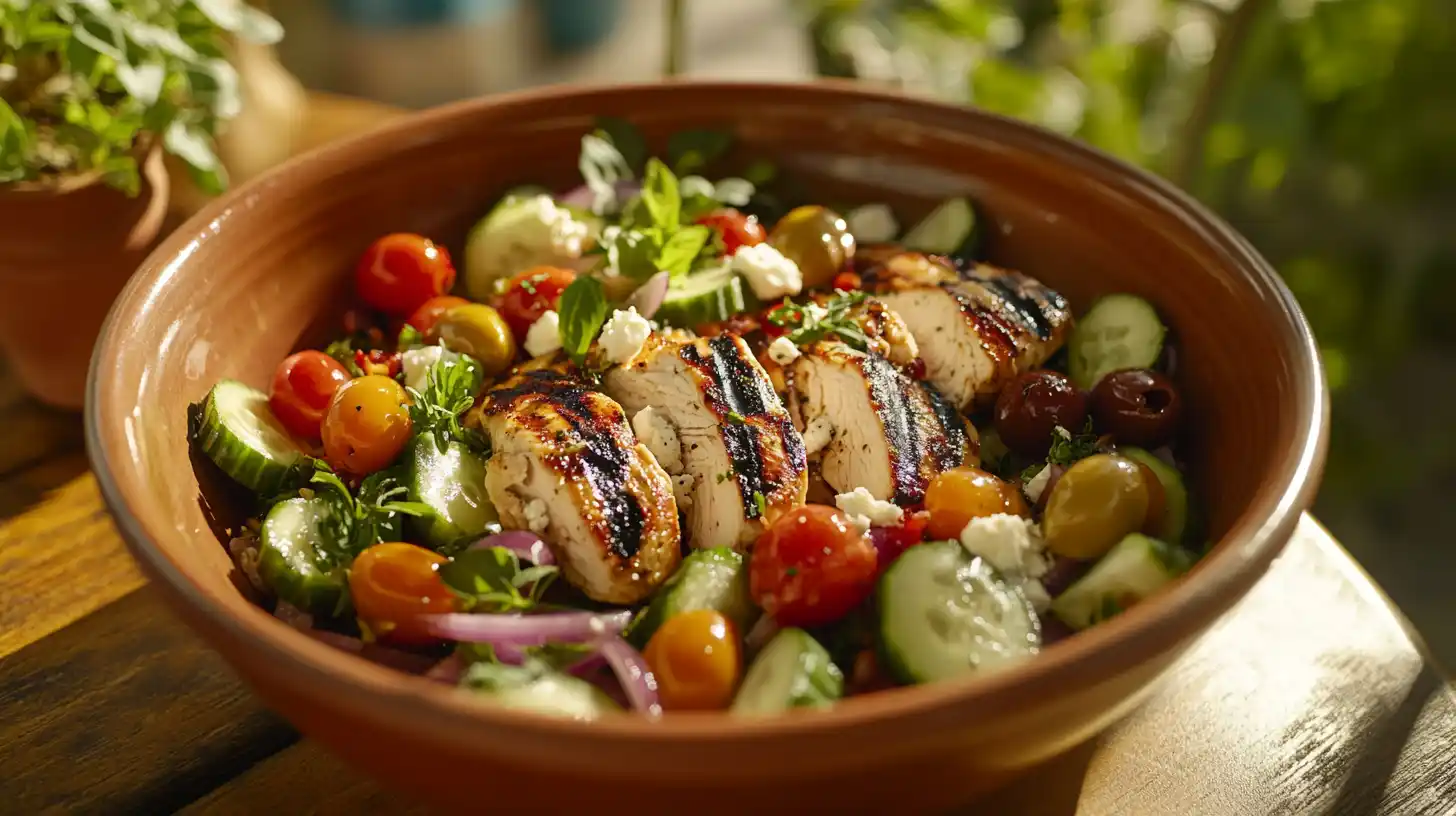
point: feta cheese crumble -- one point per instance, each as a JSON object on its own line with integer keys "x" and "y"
{"x": 783, "y": 351}
{"x": 623, "y": 335}
{"x": 544, "y": 336}
{"x": 817, "y": 434}
{"x": 553, "y": 227}
{"x": 416, "y": 365}
{"x": 658, "y": 434}
{"x": 867, "y": 511}
{"x": 767, "y": 271}
{"x": 1013, "y": 545}
{"x": 537, "y": 519}
{"x": 1037, "y": 484}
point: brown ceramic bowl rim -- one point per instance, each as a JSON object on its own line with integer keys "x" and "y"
{"x": 416, "y": 705}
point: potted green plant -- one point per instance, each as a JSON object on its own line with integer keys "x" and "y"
{"x": 93, "y": 93}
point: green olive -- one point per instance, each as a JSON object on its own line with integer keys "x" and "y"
{"x": 1097, "y": 501}
{"x": 816, "y": 239}
{"x": 480, "y": 331}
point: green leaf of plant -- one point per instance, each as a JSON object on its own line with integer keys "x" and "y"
{"x": 660, "y": 196}
{"x": 689, "y": 151}
{"x": 678, "y": 254}
{"x": 584, "y": 309}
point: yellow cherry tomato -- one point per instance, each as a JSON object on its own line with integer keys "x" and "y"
{"x": 957, "y": 496}
{"x": 697, "y": 661}
{"x": 393, "y": 584}
{"x": 367, "y": 425}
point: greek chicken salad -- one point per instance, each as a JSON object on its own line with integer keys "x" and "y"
{"x": 675, "y": 440}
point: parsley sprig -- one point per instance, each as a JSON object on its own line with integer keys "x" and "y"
{"x": 812, "y": 322}
{"x": 1067, "y": 448}
{"x": 372, "y": 516}
{"x": 491, "y": 579}
{"x": 450, "y": 386}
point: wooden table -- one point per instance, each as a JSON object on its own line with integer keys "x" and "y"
{"x": 1310, "y": 697}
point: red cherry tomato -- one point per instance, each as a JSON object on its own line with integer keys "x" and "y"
{"x": 811, "y": 567}
{"x": 737, "y": 229}
{"x": 303, "y": 385}
{"x": 399, "y": 272}
{"x": 425, "y": 317}
{"x": 890, "y": 542}
{"x": 393, "y": 584}
{"x": 531, "y": 294}
{"x": 847, "y": 282}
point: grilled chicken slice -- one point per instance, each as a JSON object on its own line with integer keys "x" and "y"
{"x": 977, "y": 333}
{"x": 567, "y": 467}
{"x": 880, "y": 429}
{"x": 737, "y": 452}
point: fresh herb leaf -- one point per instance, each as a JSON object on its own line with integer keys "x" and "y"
{"x": 490, "y": 579}
{"x": 689, "y": 151}
{"x": 682, "y": 249}
{"x": 409, "y": 337}
{"x": 660, "y": 196}
{"x": 1068, "y": 448}
{"x": 633, "y": 253}
{"x": 735, "y": 418}
{"x": 371, "y": 517}
{"x": 812, "y": 322}
{"x": 626, "y": 138}
{"x": 343, "y": 350}
{"x": 583, "y": 311}
{"x": 602, "y": 166}
{"x": 761, "y": 503}
{"x": 449, "y": 392}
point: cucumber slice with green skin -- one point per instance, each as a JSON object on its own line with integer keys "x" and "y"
{"x": 950, "y": 229}
{"x": 294, "y": 554}
{"x": 945, "y": 613}
{"x": 715, "y": 579}
{"x": 1119, "y": 331}
{"x": 452, "y": 483}
{"x": 1175, "y": 493}
{"x": 705, "y": 297}
{"x": 792, "y": 671}
{"x": 535, "y": 687}
{"x": 509, "y": 239}
{"x": 240, "y": 434}
{"x": 1135, "y": 567}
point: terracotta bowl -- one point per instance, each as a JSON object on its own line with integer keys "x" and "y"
{"x": 244, "y": 281}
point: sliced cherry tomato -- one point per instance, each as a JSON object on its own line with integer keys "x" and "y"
{"x": 367, "y": 425}
{"x": 696, "y": 659}
{"x": 847, "y": 282}
{"x": 425, "y": 317}
{"x": 399, "y": 272}
{"x": 531, "y": 294}
{"x": 736, "y": 229}
{"x": 890, "y": 542}
{"x": 393, "y": 584}
{"x": 303, "y": 385}
{"x": 811, "y": 567}
{"x": 957, "y": 496}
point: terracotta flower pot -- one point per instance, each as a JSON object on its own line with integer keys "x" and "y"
{"x": 65, "y": 253}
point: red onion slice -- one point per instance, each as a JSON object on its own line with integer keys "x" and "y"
{"x": 635, "y": 676}
{"x": 524, "y": 543}
{"x": 526, "y": 630}
{"x": 649, "y": 296}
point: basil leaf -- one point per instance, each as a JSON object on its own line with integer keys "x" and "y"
{"x": 583, "y": 311}
{"x": 660, "y": 196}
{"x": 602, "y": 166}
{"x": 625, "y": 137}
{"x": 680, "y": 250}
{"x": 485, "y": 571}
{"x": 634, "y": 254}
{"x": 691, "y": 150}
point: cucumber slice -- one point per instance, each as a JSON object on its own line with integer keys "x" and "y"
{"x": 513, "y": 237}
{"x": 1175, "y": 494}
{"x": 1119, "y": 331}
{"x": 239, "y": 432}
{"x": 950, "y": 229}
{"x": 1135, "y": 567}
{"x": 705, "y": 297}
{"x": 452, "y": 483}
{"x": 792, "y": 671}
{"x": 872, "y": 224}
{"x": 295, "y": 554}
{"x": 715, "y": 579}
{"x": 945, "y": 613}
{"x": 535, "y": 687}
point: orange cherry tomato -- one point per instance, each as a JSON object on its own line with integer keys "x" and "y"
{"x": 303, "y": 385}
{"x": 847, "y": 282}
{"x": 530, "y": 294}
{"x": 697, "y": 661}
{"x": 393, "y": 584}
{"x": 811, "y": 567}
{"x": 957, "y": 496}
{"x": 429, "y": 313}
{"x": 736, "y": 229}
{"x": 367, "y": 425}
{"x": 399, "y": 272}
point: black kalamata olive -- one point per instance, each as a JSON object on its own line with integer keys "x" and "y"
{"x": 1031, "y": 406}
{"x": 1137, "y": 406}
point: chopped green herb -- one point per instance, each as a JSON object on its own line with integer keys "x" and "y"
{"x": 449, "y": 392}
{"x": 725, "y": 476}
{"x": 490, "y": 579}
{"x": 1068, "y": 448}
{"x": 811, "y": 322}
{"x": 371, "y": 517}
{"x": 409, "y": 337}
{"x": 735, "y": 418}
{"x": 761, "y": 503}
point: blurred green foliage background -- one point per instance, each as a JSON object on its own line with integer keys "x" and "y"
{"x": 1325, "y": 130}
